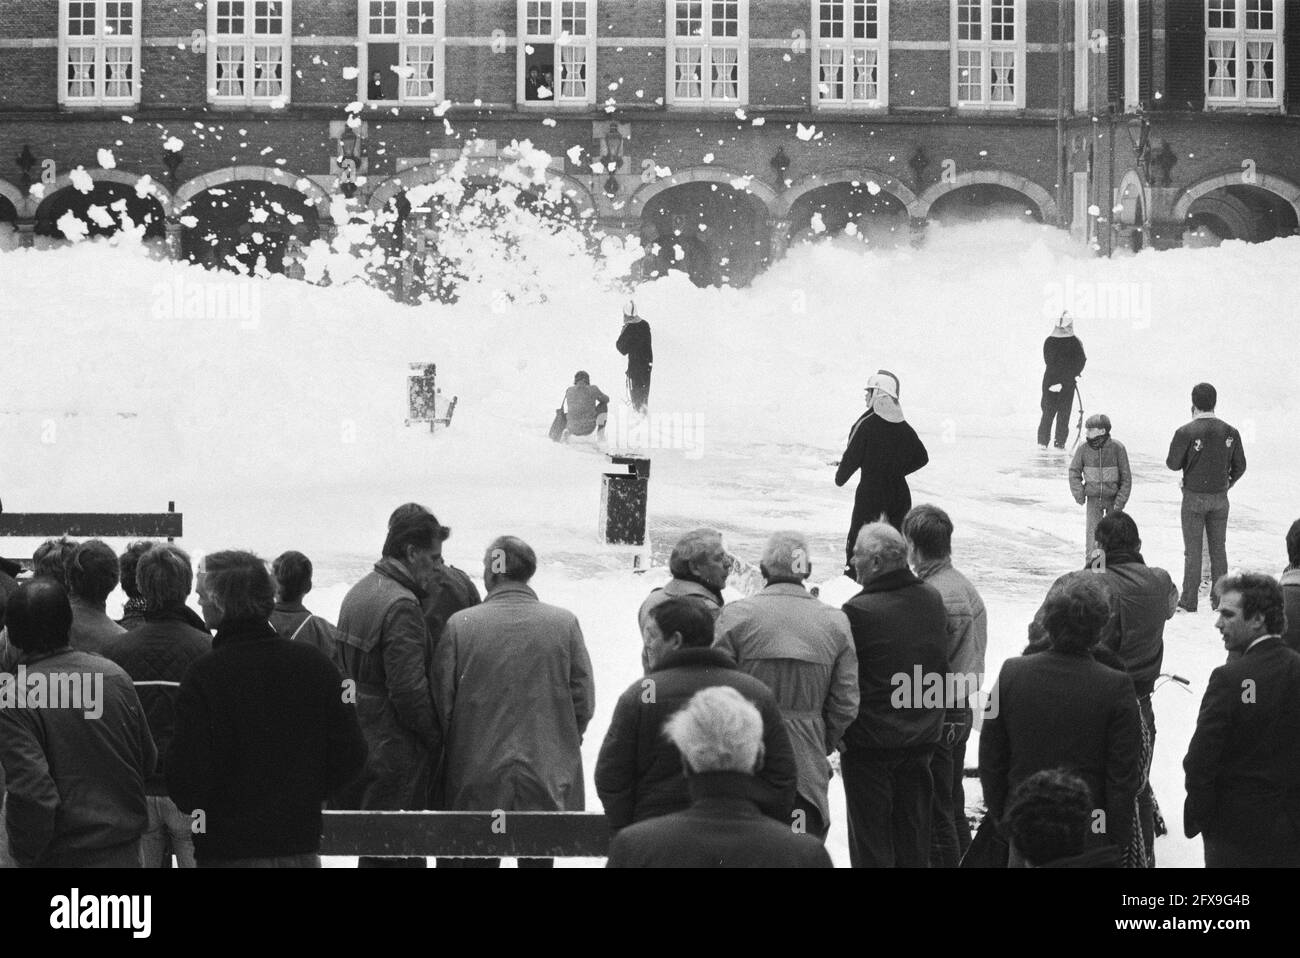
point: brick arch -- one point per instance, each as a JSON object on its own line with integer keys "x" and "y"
{"x": 257, "y": 174}
{"x": 1043, "y": 199}
{"x": 756, "y": 188}
{"x": 1132, "y": 201}
{"x": 1284, "y": 188}
{"x": 888, "y": 184}
{"x": 15, "y": 196}
{"x": 155, "y": 189}
{"x": 480, "y": 167}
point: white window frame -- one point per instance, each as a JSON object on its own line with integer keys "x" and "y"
{"x": 707, "y": 44}
{"x": 1132, "y": 59}
{"x": 100, "y": 42}
{"x": 1082, "y": 51}
{"x": 986, "y": 47}
{"x": 1242, "y": 37}
{"x": 405, "y": 41}
{"x": 561, "y": 40}
{"x": 848, "y": 46}
{"x": 249, "y": 41}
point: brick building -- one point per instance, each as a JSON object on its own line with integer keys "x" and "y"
{"x": 723, "y": 129}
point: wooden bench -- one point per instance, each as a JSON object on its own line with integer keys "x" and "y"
{"x": 466, "y": 834}
{"x": 83, "y": 525}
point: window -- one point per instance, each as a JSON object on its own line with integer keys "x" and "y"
{"x": 402, "y": 51}
{"x": 99, "y": 52}
{"x": 557, "y": 52}
{"x": 1242, "y": 38}
{"x": 988, "y": 53}
{"x": 248, "y": 51}
{"x": 707, "y": 52}
{"x": 852, "y": 52}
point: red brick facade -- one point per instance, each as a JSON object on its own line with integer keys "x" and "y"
{"x": 1016, "y": 149}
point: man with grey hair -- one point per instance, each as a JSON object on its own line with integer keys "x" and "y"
{"x": 699, "y": 565}
{"x": 157, "y": 654}
{"x": 803, "y": 650}
{"x": 900, "y": 632}
{"x": 513, "y": 685}
{"x": 720, "y": 736}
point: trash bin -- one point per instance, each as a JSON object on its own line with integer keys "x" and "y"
{"x": 623, "y": 502}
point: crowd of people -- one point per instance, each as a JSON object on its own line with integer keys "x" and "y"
{"x": 218, "y": 738}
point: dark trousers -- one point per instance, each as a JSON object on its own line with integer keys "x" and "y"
{"x": 374, "y": 861}
{"x": 307, "y": 860}
{"x": 493, "y": 863}
{"x": 889, "y": 793}
{"x": 1056, "y": 406}
{"x": 638, "y": 388}
{"x": 1204, "y": 513}
{"x": 812, "y": 818}
{"x": 949, "y": 824}
{"x": 1280, "y": 848}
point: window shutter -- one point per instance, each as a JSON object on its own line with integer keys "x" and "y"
{"x": 1291, "y": 41}
{"x": 1115, "y": 54}
{"x": 1144, "y": 54}
{"x": 1184, "y": 56}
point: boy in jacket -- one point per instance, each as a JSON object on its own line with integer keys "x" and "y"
{"x": 1099, "y": 476}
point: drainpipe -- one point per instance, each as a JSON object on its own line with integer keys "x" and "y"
{"x": 1062, "y": 215}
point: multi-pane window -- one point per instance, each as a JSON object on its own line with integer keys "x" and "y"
{"x": 988, "y": 51}
{"x": 851, "y": 61}
{"x": 557, "y": 55}
{"x": 1242, "y": 39}
{"x": 99, "y": 51}
{"x": 707, "y": 43}
{"x": 402, "y": 50}
{"x": 248, "y": 51}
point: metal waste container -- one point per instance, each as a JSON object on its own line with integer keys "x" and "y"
{"x": 623, "y": 502}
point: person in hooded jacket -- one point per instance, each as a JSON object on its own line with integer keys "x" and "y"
{"x": 884, "y": 446}
{"x": 1064, "y": 359}
{"x": 634, "y": 343}
{"x": 1100, "y": 477}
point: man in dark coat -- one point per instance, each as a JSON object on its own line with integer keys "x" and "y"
{"x": 74, "y": 763}
{"x": 264, "y": 733}
{"x": 1243, "y": 763}
{"x": 1290, "y": 583}
{"x": 1061, "y": 708}
{"x": 157, "y": 654}
{"x": 1064, "y": 359}
{"x": 719, "y": 735}
{"x": 1210, "y": 456}
{"x": 900, "y": 632}
{"x": 639, "y": 773}
{"x": 634, "y": 343}
{"x": 385, "y": 648}
{"x": 887, "y": 449}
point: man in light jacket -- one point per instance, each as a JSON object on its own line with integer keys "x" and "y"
{"x": 803, "y": 650}
{"x": 1100, "y": 478}
{"x": 514, "y": 689}
{"x": 928, "y": 531}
